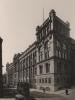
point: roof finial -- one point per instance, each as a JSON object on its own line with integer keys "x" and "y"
{"x": 52, "y": 12}
{"x": 43, "y": 15}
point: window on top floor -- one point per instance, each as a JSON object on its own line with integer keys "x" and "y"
{"x": 26, "y": 61}
{"x": 47, "y": 29}
{"x": 40, "y": 53}
{"x": 34, "y": 57}
{"x": 30, "y": 59}
{"x": 22, "y": 65}
{"x": 15, "y": 67}
{"x": 40, "y": 35}
{"x": 47, "y": 49}
{"x": 44, "y": 31}
{"x": 49, "y": 26}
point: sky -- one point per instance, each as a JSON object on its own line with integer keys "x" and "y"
{"x": 19, "y": 18}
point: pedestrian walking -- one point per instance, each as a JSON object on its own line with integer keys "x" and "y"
{"x": 66, "y": 91}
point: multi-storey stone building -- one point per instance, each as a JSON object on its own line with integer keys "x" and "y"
{"x": 12, "y": 71}
{"x": 5, "y": 80}
{"x": 47, "y": 63}
{"x": 1, "y": 78}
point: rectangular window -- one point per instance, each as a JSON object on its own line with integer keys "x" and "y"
{"x": 47, "y": 28}
{"x": 31, "y": 71}
{"x": 41, "y": 69}
{"x": 47, "y": 48}
{"x": 40, "y": 53}
{"x": 42, "y": 80}
{"x": 39, "y": 80}
{"x": 30, "y": 59}
{"x": 57, "y": 53}
{"x": 45, "y": 80}
{"x": 34, "y": 80}
{"x": 59, "y": 67}
{"x": 27, "y": 72}
{"x": 64, "y": 46}
{"x": 44, "y": 31}
{"x": 35, "y": 71}
{"x": 47, "y": 67}
{"x": 34, "y": 58}
{"x": 24, "y": 63}
{"x": 49, "y": 80}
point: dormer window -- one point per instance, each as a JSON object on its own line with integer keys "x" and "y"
{"x": 47, "y": 29}
{"x": 44, "y": 31}
{"x": 37, "y": 28}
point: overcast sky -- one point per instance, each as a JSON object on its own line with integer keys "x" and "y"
{"x": 19, "y": 18}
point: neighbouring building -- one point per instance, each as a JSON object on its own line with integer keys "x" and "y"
{"x": 12, "y": 71}
{"x": 1, "y": 78}
{"x": 50, "y": 61}
{"x": 10, "y": 74}
{"x": 5, "y": 80}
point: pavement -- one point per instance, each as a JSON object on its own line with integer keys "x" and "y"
{"x": 7, "y": 98}
{"x": 58, "y": 95}
{"x": 60, "y": 92}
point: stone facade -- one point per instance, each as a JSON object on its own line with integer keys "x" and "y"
{"x": 12, "y": 71}
{"x": 5, "y": 80}
{"x": 47, "y": 62}
{"x": 1, "y": 78}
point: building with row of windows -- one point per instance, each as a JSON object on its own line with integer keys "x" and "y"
{"x": 1, "y": 77}
{"x": 49, "y": 62}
